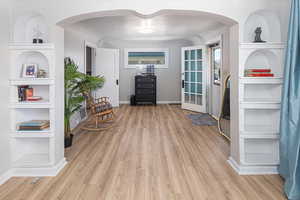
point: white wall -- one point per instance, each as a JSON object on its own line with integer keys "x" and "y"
{"x": 168, "y": 80}
{"x": 75, "y": 44}
{"x": 4, "y": 88}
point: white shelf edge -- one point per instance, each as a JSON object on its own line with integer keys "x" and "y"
{"x": 261, "y": 135}
{"x": 261, "y": 80}
{"x": 261, "y": 106}
{"x": 45, "y": 131}
{"x": 260, "y": 101}
{"x": 30, "y": 46}
{"x": 266, "y": 45}
{"x": 31, "y": 105}
{"x": 36, "y": 81}
{"x": 33, "y": 135}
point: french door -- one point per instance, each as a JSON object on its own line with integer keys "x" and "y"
{"x": 193, "y": 70}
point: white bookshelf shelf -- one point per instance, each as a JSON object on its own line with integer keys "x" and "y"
{"x": 34, "y": 81}
{"x": 261, "y": 80}
{"x": 34, "y": 104}
{"x": 259, "y": 135}
{"x": 33, "y": 134}
{"x": 260, "y": 106}
{"x": 270, "y": 45}
{"x": 33, "y": 160}
{"x": 30, "y": 46}
{"x": 255, "y": 101}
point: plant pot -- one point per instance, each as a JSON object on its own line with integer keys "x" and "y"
{"x": 69, "y": 141}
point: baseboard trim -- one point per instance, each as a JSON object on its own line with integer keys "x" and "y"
{"x": 33, "y": 172}
{"x": 169, "y": 102}
{"x": 252, "y": 170}
{"x": 45, "y": 171}
{"x": 158, "y": 102}
{"x": 4, "y": 177}
{"x": 124, "y": 102}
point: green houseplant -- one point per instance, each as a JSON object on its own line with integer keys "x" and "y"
{"x": 78, "y": 88}
{"x": 88, "y": 84}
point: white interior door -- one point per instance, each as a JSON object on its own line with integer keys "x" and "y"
{"x": 194, "y": 72}
{"x": 107, "y": 65}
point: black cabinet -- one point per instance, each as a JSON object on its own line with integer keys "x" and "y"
{"x": 145, "y": 89}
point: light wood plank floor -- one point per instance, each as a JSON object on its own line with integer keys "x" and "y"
{"x": 152, "y": 153}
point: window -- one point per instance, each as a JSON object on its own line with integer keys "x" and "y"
{"x": 143, "y": 57}
{"x": 216, "y": 64}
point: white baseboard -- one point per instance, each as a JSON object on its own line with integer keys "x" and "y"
{"x": 124, "y": 102}
{"x": 4, "y": 177}
{"x": 33, "y": 172}
{"x": 169, "y": 102}
{"x": 158, "y": 102}
{"x": 252, "y": 170}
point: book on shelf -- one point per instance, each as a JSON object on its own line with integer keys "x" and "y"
{"x": 258, "y": 73}
{"x": 34, "y": 98}
{"x": 22, "y": 93}
{"x": 26, "y": 93}
{"x": 34, "y": 125}
{"x": 258, "y": 70}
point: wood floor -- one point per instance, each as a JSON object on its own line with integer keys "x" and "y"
{"x": 152, "y": 153}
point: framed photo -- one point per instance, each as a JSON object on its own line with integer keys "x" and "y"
{"x": 30, "y": 70}
{"x": 141, "y": 57}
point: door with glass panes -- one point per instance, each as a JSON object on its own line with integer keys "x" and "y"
{"x": 193, "y": 79}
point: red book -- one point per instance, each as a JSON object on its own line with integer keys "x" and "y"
{"x": 258, "y": 70}
{"x": 28, "y": 93}
{"x": 34, "y": 98}
{"x": 260, "y": 75}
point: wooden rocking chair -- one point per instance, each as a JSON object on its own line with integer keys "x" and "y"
{"x": 100, "y": 111}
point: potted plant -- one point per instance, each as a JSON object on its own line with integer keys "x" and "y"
{"x": 87, "y": 85}
{"x": 73, "y": 97}
{"x": 78, "y": 88}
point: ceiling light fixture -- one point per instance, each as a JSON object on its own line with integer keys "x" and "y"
{"x": 146, "y": 27}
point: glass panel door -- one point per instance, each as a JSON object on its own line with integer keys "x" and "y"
{"x": 193, "y": 79}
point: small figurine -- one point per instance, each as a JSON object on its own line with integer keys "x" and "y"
{"x": 42, "y": 73}
{"x": 37, "y": 36}
{"x": 257, "y": 38}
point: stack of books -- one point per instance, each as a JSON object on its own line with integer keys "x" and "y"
{"x": 258, "y": 73}
{"x": 25, "y": 93}
{"x": 34, "y": 125}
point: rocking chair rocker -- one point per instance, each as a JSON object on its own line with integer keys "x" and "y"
{"x": 101, "y": 111}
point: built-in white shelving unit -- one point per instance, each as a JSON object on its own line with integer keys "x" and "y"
{"x": 34, "y": 153}
{"x": 32, "y": 149}
{"x": 260, "y": 97}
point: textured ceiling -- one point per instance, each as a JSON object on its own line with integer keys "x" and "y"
{"x": 163, "y": 27}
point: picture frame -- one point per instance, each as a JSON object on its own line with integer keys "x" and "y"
{"x": 29, "y": 70}
{"x": 141, "y": 57}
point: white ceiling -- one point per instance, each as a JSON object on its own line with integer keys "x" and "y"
{"x": 165, "y": 27}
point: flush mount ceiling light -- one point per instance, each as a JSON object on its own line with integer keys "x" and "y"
{"x": 146, "y": 27}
